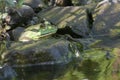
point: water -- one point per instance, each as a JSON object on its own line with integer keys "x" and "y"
{"x": 87, "y": 70}
{"x": 92, "y": 64}
{"x": 93, "y": 68}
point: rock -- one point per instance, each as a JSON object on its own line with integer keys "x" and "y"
{"x": 106, "y": 25}
{"x": 19, "y": 16}
{"x": 48, "y": 54}
{"x": 16, "y": 33}
{"x": 72, "y": 18}
{"x": 106, "y": 21}
{"x": 35, "y": 4}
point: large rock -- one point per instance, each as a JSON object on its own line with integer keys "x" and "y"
{"x": 106, "y": 20}
{"x": 74, "y": 18}
{"x": 49, "y": 55}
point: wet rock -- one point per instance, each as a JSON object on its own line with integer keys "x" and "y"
{"x": 70, "y": 20}
{"x": 19, "y": 16}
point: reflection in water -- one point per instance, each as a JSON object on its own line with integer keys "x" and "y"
{"x": 47, "y": 72}
{"x": 93, "y": 68}
{"x": 89, "y": 69}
